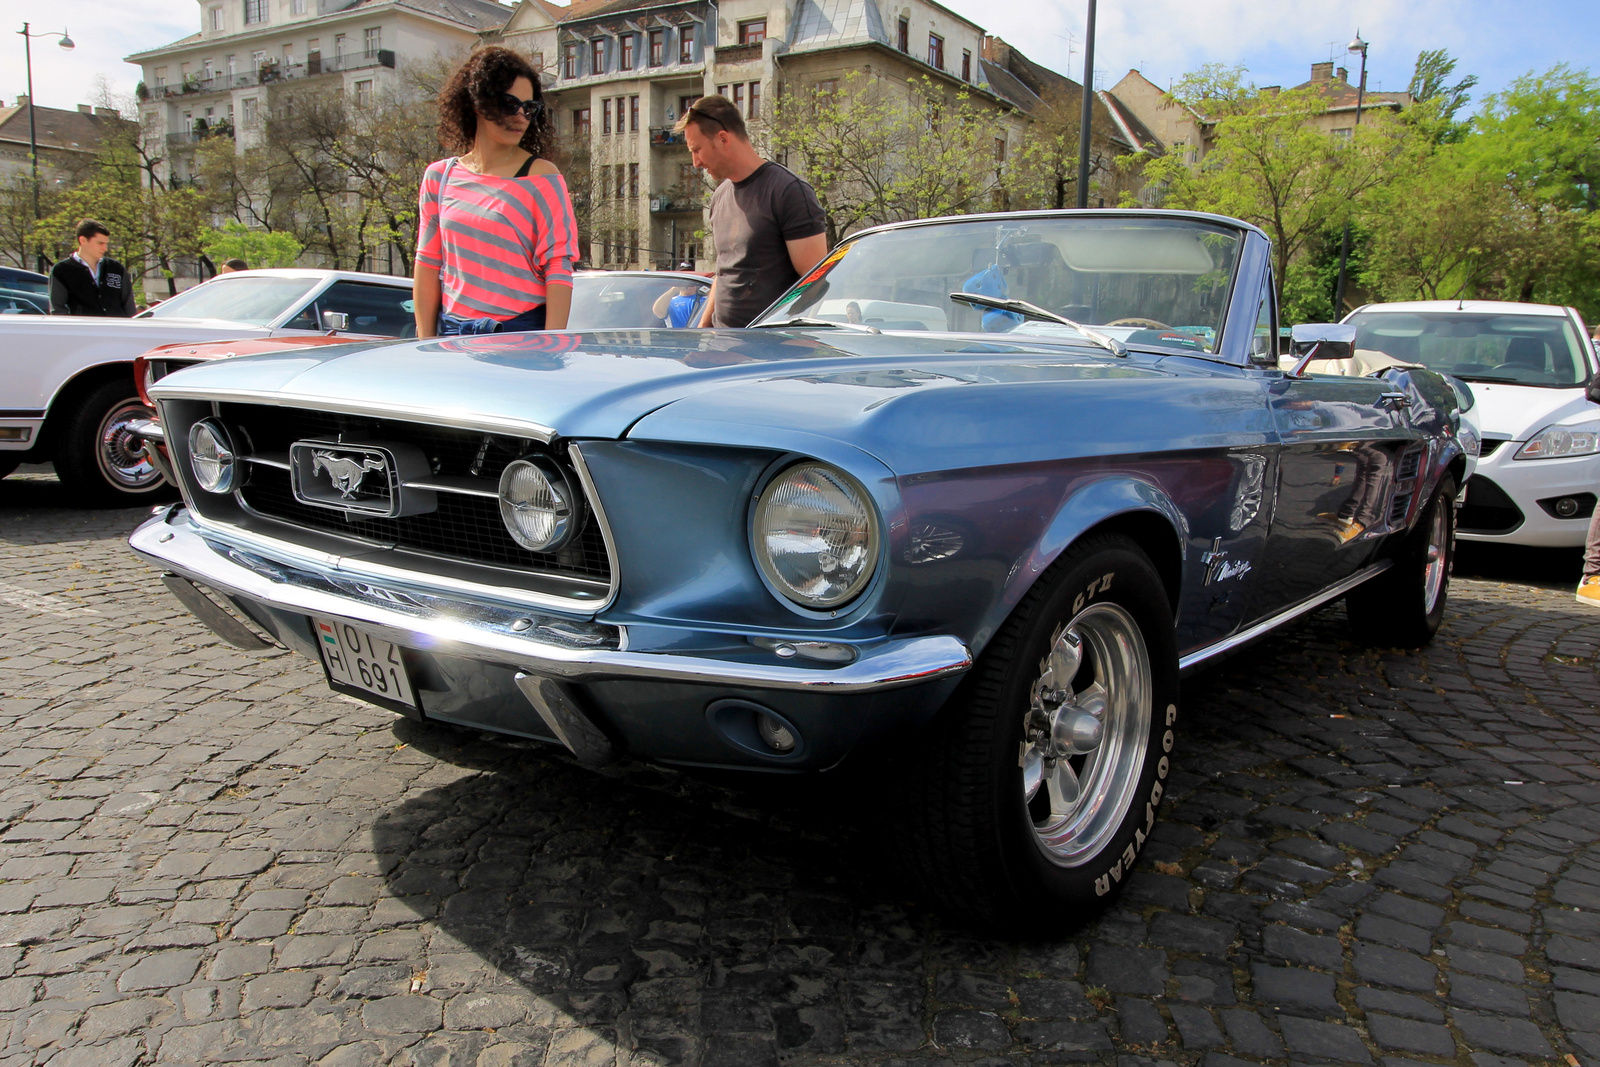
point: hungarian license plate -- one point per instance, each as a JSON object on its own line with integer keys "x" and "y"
{"x": 364, "y": 662}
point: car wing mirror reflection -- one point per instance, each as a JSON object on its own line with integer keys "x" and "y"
{"x": 1321, "y": 340}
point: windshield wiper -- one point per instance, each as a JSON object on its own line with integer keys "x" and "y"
{"x": 1034, "y": 311}
{"x": 801, "y": 320}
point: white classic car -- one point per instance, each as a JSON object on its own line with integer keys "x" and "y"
{"x": 1527, "y": 364}
{"x": 67, "y": 391}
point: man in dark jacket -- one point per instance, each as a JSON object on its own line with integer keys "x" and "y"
{"x": 89, "y": 282}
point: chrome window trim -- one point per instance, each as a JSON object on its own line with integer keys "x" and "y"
{"x": 455, "y": 420}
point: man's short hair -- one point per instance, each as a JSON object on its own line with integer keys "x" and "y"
{"x": 713, "y": 113}
{"x": 237, "y": 264}
{"x": 91, "y": 228}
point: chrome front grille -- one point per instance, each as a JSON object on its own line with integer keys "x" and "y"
{"x": 463, "y": 473}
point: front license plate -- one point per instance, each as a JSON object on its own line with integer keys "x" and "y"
{"x": 363, "y": 662}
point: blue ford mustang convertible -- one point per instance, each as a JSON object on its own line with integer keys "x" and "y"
{"x": 974, "y": 492}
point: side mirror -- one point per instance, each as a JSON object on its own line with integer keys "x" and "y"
{"x": 1321, "y": 340}
{"x": 335, "y": 321}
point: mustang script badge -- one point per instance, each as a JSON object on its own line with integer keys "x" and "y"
{"x": 345, "y": 473}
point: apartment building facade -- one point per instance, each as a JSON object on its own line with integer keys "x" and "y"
{"x": 223, "y": 80}
{"x": 619, "y": 74}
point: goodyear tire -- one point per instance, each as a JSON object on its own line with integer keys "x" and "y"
{"x": 1040, "y": 782}
{"x": 95, "y": 460}
{"x": 1403, "y": 606}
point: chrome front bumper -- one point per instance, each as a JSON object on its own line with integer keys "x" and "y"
{"x": 548, "y": 646}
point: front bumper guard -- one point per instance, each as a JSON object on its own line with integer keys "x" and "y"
{"x": 546, "y": 647}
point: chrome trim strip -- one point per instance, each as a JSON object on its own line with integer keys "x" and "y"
{"x": 1333, "y": 592}
{"x": 581, "y": 465}
{"x": 269, "y": 459}
{"x": 443, "y": 483}
{"x": 454, "y": 419}
{"x": 480, "y": 633}
{"x": 356, "y": 567}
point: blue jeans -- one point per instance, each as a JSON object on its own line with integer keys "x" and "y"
{"x": 452, "y": 325}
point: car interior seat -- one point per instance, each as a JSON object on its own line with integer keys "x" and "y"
{"x": 1527, "y": 353}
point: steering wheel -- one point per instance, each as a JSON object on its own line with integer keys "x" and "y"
{"x": 1143, "y": 324}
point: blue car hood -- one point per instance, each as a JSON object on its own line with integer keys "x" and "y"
{"x": 598, "y": 385}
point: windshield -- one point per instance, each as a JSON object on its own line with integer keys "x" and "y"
{"x": 1542, "y": 350}
{"x": 632, "y": 302}
{"x": 253, "y": 301}
{"x": 1142, "y": 281}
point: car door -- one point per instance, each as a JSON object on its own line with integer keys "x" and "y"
{"x": 382, "y": 310}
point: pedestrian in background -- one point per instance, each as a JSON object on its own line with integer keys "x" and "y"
{"x": 765, "y": 221}
{"x": 232, "y": 265}
{"x": 89, "y": 282}
{"x": 680, "y": 306}
{"x": 1589, "y": 584}
{"x": 496, "y": 236}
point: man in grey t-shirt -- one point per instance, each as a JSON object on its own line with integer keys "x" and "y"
{"x": 766, "y": 223}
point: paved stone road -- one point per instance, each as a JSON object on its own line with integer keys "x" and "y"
{"x": 206, "y": 857}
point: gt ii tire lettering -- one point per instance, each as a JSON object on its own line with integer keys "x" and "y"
{"x": 996, "y": 830}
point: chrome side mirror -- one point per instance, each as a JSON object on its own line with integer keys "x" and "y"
{"x": 335, "y": 321}
{"x": 1321, "y": 340}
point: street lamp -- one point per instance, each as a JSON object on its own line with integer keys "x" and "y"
{"x": 1357, "y": 45}
{"x": 33, "y": 137}
{"x": 1086, "y": 115}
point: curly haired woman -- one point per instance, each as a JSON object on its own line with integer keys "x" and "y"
{"x": 495, "y": 232}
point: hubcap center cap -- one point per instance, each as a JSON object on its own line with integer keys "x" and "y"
{"x": 1077, "y": 729}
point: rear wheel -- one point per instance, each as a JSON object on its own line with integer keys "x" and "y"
{"x": 95, "y": 458}
{"x": 1039, "y": 784}
{"x": 1403, "y": 606}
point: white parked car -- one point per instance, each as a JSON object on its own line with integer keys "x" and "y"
{"x": 67, "y": 392}
{"x": 1538, "y": 470}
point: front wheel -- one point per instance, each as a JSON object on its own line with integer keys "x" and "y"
{"x": 1039, "y": 785}
{"x": 1403, "y": 606}
{"x": 96, "y": 459}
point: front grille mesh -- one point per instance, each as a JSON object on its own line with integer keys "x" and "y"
{"x": 460, "y": 528}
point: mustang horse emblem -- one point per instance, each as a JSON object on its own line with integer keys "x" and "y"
{"x": 344, "y": 472}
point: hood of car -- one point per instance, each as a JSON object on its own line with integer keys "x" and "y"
{"x": 600, "y": 384}
{"x": 1518, "y": 412}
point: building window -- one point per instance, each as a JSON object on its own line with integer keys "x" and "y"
{"x": 828, "y": 85}
{"x": 372, "y": 41}
{"x": 257, "y": 59}
{"x": 537, "y": 59}
{"x": 738, "y": 98}
{"x": 755, "y": 101}
{"x": 684, "y": 103}
{"x": 633, "y": 113}
{"x": 297, "y": 7}
{"x": 621, "y": 177}
{"x": 249, "y": 111}
{"x": 902, "y": 35}
{"x": 605, "y": 115}
{"x": 364, "y": 93}
{"x": 686, "y": 44}
{"x": 935, "y": 51}
{"x": 626, "y": 62}
{"x": 1342, "y": 134}
{"x": 569, "y": 61}
{"x": 658, "y": 47}
{"x": 597, "y": 56}
{"x": 159, "y": 75}
{"x": 966, "y": 65}
{"x": 580, "y": 122}
{"x": 622, "y": 114}
{"x": 338, "y": 46}
{"x": 633, "y": 181}
{"x": 752, "y": 31}
{"x": 216, "y": 19}
{"x": 255, "y": 11}
{"x": 207, "y": 74}
{"x": 999, "y": 150}
{"x": 633, "y": 246}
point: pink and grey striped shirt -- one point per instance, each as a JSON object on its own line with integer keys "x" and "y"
{"x": 497, "y": 243}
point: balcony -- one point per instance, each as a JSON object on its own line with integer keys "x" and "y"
{"x": 738, "y": 53}
{"x": 665, "y": 137}
{"x": 200, "y": 133}
{"x": 274, "y": 71}
{"x": 675, "y": 203}
{"x": 383, "y": 57}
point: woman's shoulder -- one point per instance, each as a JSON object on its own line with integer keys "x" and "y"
{"x": 436, "y": 169}
{"x": 539, "y": 167}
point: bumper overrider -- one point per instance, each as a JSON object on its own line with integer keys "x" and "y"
{"x": 695, "y": 699}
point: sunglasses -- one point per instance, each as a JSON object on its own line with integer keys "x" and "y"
{"x": 695, "y": 112}
{"x": 510, "y": 105}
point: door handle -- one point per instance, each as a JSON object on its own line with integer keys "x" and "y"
{"x": 1394, "y": 401}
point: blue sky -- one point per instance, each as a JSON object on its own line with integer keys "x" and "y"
{"x": 1277, "y": 39}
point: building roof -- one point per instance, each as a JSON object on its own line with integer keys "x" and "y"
{"x": 1335, "y": 88}
{"x": 58, "y": 128}
{"x": 476, "y": 15}
{"x": 834, "y": 23}
{"x": 1136, "y": 133}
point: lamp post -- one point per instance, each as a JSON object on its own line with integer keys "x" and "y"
{"x": 1087, "y": 115}
{"x": 33, "y": 137}
{"x": 1357, "y": 45}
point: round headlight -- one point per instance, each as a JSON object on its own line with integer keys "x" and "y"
{"x": 538, "y": 506}
{"x": 212, "y": 457}
{"x": 815, "y": 536}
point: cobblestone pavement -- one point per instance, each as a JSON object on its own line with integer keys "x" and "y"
{"x": 207, "y": 857}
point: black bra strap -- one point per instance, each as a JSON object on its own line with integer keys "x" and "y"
{"x": 527, "y": 165}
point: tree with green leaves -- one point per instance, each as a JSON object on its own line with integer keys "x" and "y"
{"x": 259, "y": 248}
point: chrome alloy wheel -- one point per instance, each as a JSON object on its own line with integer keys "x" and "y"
{"x": 1085, "y": 733}
{"x": 119, "y": 464}
{"x": 1436, "y": 564}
